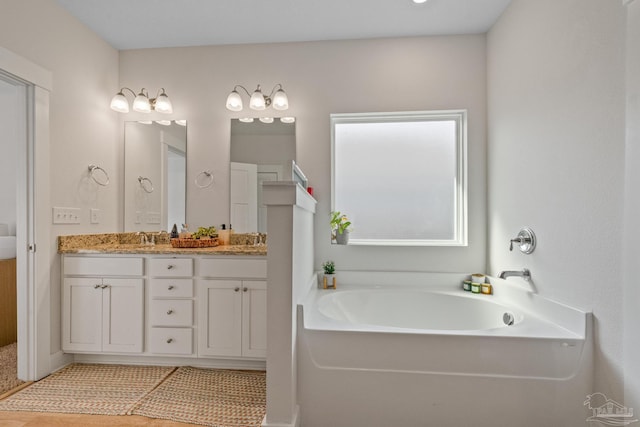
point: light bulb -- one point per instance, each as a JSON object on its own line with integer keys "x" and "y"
{"x": 280, "y": 100}
{"x": 163, "y": 104}
{"x": 257, "y": 101}
{"x": 141, "y": 103}
{"x": 119, "y": 103}
{"x": 234, "y": 102}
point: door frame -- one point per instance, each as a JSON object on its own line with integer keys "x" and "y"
{"x": 33, "y": 225}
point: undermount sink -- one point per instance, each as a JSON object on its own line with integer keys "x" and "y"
{"x": 7, "y": 247}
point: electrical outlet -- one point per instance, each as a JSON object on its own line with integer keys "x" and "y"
{"x": 95, "y": 216}
{"x": 66, "y": 215}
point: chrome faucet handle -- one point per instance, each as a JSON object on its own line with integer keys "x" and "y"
{"x": 525, "y": 239}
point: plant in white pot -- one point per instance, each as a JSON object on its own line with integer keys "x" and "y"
{"x": 340, "y": 228}
{"x": 329, "y": 278}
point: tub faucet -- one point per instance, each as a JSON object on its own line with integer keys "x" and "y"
{"x": 524, "y": 273}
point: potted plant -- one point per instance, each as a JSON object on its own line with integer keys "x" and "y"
{"x": 340, "y": 228}
{"x": 329, "y": 279}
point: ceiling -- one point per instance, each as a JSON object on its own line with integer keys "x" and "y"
{"x": 136, "y": 24}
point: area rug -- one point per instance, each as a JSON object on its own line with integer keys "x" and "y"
{"x": 89, "y": 389}
{"x": 209, "y": 397}
{"x": 9, "y": 368}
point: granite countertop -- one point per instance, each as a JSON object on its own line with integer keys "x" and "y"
{"x": 129, "y": 243}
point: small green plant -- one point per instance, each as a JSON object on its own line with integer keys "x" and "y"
{"x": 329, "y": 267}
{"x": 339, "y": 222}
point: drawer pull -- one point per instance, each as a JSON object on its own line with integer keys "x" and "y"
{"x": 170, "y": 287}
{"x": 170, "y": 267}
{"x": 170, "y": 311}
{"x": 170, "y": 340}
{"x": 245, "y": 289}
{"x": 237, "y": 289}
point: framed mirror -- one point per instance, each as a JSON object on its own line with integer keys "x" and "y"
{"x": 155, "y": 166}
{"x": 259, "y": 152}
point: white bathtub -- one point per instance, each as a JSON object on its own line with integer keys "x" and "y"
{"x": 401, "y": 353}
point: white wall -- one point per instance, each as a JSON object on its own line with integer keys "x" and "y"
{"x": 83, "y": 128}
{"x": 631, "y": 252}
{"x": 556, "y": 158}
{"x": 322, "y": 78}
{"x": 8, "y": 154}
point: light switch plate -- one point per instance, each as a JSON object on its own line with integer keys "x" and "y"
{"x": 95, "y": 216}
{"x": 66, "y": 215}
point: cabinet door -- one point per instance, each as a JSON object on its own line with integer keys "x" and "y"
{"x": 82, "y": 314}
{"x": 254, "y": 319}
{"x": 122, "y": 318}
{"x": 220, "y": 318}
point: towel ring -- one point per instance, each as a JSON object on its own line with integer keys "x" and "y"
{"x": 148, "y": 188}
{"x": 92, "y": 169}
{"x": 208, "y": 180}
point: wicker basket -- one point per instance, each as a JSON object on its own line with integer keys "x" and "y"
{"x": 194, "y": 243}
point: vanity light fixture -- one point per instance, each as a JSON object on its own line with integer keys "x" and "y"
{"x": 287, "y": 119}
{"x": 258, "y": 101}
{"x": 266, "y": 119}
{"x": 246, "y": 120}
{"x": 141, "y": 102}
{"x": 182, "y": 122}
{"x": 164, "y": 122}
{"x": 419, "y": 1}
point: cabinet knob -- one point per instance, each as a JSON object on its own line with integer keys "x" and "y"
{"x": 237, "y": 289}
{"x": 245, "y": 289}
{"x": 170, "y": 287}
{"x": 170, "y": 267}
{"x": 170, "y": 311}
{"x": 105, "y": 286}
{"x": 170, "y": 340}
{"x": 96, "y": 286}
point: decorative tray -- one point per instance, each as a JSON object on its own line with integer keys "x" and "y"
{"x": 195, "y": 243}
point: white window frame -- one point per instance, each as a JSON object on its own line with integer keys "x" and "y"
{"x": 461, "y": 213}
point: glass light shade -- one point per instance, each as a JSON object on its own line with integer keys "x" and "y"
{"x": 266, "y": 119}
{"x": 145, "y": 122}
{"x": 182, "y": 122}
{"x": 246, "y": 119}
{"x": 119, "y": 103}
{"x": 163, "y": 104}
{"x": 257, "y": 101}
{"x": 164, "y": 122}
{"x": 234, "y": 102}
{"x": 287, "y": 119}
{"x": 280, "y": 100}
{"x": 141, "y": 104}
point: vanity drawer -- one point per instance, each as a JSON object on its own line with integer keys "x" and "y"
{"x": 233, "y": 268}
{"x": 170, "y": 267}
{"x": 98, "y": 266}
{"x": 171, "y": 312}
{"x": 172, "y": 288}
{"x": 171, "y": 340}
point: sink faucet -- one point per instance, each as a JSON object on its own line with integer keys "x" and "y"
{"x": 524, "y": 273}
{"x": 144, "y": 238}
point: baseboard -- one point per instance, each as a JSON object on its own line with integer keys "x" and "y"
{"x": 59, "y": 360}
{"x": 295, "y": 422}
{"x": 196, "y": 362}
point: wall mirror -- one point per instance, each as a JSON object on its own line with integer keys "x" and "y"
{"x": 155, "y": 166}
{"x": 259, "y": 152}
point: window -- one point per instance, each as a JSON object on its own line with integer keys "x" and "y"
{"x": 400, "y": 178}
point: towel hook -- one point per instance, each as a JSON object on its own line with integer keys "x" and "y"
{"x": 208, "y": 179}
{"x": 148, "y": 187}
{"x": 105, "y": 181}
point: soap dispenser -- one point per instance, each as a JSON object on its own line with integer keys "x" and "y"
{"x": 223, "y": 235}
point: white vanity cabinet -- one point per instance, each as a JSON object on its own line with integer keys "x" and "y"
{"x": 103, "y": 304}
{"x": 171, "y": 306}
{"x": 233, "y": 308}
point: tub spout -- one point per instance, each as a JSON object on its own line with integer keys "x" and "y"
{"x": 524, "y": 273}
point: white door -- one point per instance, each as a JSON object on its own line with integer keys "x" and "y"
{"x": 122, "y": 315}
{"x": 220, "y": 318}
{"x": 82, "y": 314}
{"x": 265, "y": 173}
{"x": 254, "y": 319}
{"x": 244, "y": 197}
